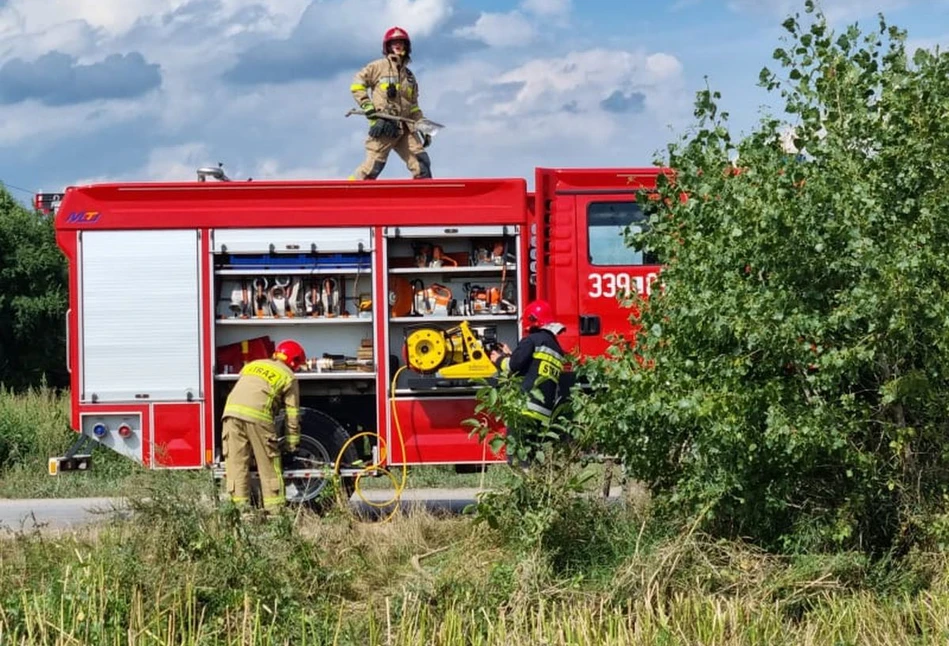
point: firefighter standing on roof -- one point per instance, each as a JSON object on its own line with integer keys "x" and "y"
{"x": 265, "y": 386}
{"x": 387, "y": 86}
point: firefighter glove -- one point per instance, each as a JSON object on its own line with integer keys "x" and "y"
{"x": 369, "y": 109}
{"x": 384, "y": 128}
{"x": 293, "y": 441}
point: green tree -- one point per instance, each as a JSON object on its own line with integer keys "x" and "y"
{"x": 791, "y": 381}
{"x": 32, "y": 298}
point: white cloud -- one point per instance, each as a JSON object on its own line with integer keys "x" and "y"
{"x": 500, "y": 30}
{"x": 360, "y": 24}
{"x": 177, "y": 30}
{"x": 584, "y": 79}
{"x": 835, "y": 10}
{"x": 941, "y": 41}
{"x": 546, "y": 7}
{"x": 116, "y": 17}
{"x": 33, "y": 125}
{"x": 165, "y": 164}
{"x": 271, "y": 168}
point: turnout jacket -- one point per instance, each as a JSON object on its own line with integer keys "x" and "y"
{"x": 539, "y": 359}
{"x": 264, "y": 387}
{"x": 377, "y": 77}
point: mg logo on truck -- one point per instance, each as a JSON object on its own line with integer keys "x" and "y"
{"x": 86, "y": 217}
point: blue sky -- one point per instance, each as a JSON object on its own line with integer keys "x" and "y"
{"x": 102, "y": 90}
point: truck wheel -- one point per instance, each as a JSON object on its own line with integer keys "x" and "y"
{"x": 321, "y": 439}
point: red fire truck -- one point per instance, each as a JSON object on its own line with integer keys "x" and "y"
{"x": 394, "y": 287}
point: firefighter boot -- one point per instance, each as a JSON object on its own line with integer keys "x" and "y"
{"x": 425, "y": 166}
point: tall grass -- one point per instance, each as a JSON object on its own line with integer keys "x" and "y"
{"x": 34, "y": 425}
{"x": 177, "y": 619}
{"x": 188, "y": 571}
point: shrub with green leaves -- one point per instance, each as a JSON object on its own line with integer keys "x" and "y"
{"x": 792, "y": 376}
{"x": 33, "y": 300}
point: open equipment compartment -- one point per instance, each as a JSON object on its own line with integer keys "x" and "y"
{"x": 453, "y": 293}
{"x": 314, "y": 285}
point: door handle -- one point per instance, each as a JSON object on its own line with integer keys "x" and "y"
{"x": 589, "y": 325}
{"x": 68, "y": 365}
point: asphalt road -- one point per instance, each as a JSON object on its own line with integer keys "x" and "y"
{"x": 69, "y": 513}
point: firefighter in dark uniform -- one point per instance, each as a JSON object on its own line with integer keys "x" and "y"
{"x": 265, "y": 386}
{"x": 539, "y": 359}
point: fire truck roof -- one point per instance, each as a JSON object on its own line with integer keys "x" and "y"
{"x": 140, "y": 205}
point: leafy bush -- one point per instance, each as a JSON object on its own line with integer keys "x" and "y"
{"x": 33, "y": 300}
{"x": 790, "y": 381}
{"x": 547, "y": 510}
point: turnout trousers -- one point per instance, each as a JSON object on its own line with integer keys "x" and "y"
{"x": 241, "y": 439}
{"x": 407, "y": 146}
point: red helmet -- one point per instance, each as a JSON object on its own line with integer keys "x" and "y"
{"x": 396, "y": 33}
{"x": 291, "y": 353}
{"x": 537, "y": 314}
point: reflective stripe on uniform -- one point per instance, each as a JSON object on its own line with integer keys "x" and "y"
{"x": 356, "y": 87}
{"x": 549, "y": 363}
{"x": 414, "y": 108}
{"x": 292, "y": 412}
{"x": 241, "y": 411}
{"x": 534, "y": 407}
{"x": 548, "y": 354}
{"x": 281, "y": 498}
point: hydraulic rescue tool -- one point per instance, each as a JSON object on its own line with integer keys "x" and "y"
{"x": 455, "y": 353}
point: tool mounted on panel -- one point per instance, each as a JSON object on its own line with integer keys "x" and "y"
{"x": 454, "y": 353}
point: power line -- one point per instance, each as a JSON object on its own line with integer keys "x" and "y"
{"x": 18, "y": 188}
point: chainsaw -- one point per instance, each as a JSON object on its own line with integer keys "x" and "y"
{"x": 435, "y": 299}
{"x": 455, "y": 353}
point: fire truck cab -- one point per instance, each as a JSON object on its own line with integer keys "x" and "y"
{"x": 396, "y": 289}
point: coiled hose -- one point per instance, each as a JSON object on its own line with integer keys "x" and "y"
{"x": 398, "y": 485}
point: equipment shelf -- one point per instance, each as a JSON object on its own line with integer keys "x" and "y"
{"x": 313, "y": 271}
{"x": 473, "y": 320}
{"x": 480, "y": 269}
{"x": 300, "y": 320}
{"x": 311, "y": 376}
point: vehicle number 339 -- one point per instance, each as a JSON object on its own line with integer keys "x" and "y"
{"x": 610, "y": 285}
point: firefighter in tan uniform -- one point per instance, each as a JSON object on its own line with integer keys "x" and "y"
{"x": 264, "y": 387}
{"x": 394, "y": 91}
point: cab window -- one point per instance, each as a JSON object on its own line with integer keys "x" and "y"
{"x": 606, "y": 225}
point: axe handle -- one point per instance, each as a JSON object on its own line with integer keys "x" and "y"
{"x": 380, "y": 115}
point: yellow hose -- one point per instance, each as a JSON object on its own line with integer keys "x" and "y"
{"x": 376, "y": 467}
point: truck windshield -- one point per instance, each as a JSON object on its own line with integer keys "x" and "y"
{"x": 606, "y": 225}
